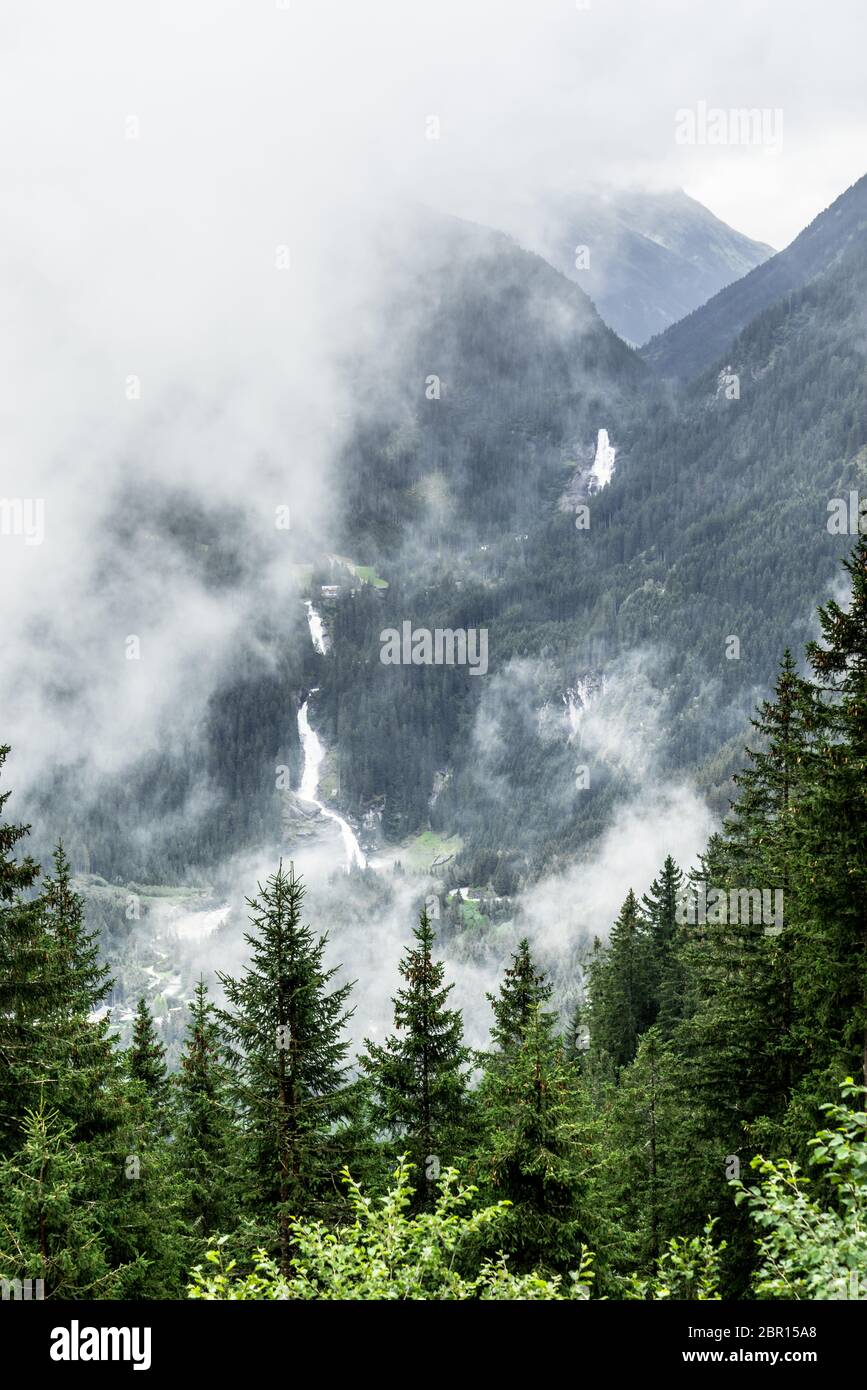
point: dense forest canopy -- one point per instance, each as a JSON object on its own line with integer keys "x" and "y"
{"x": 656, "y": 1144}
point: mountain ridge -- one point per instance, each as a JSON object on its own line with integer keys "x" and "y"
{"x": 689, "y": 347}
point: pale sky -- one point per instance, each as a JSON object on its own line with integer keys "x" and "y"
{"x": 188, "y": 192}
{"x": 336, "y": 93}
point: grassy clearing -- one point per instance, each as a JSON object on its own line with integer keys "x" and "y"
{"x": 419, "y": 852}
{"x": 368, "y": 575}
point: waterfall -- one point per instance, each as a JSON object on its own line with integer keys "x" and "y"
{"x": 318, "y": 635}
{"x": 603, "y": 465}
{"x": 311, "y": 746}
{"x": 576, "y": 700}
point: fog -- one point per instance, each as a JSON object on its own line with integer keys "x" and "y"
{"x": 194, "y": 202}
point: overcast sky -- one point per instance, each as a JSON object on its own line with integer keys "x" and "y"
{"x": 525, "y": 91}
{"x": 155, "y": 155}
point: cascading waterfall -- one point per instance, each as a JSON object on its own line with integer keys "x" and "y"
{"x": 603, "y": 465}
{"x": 576, "y": 700}
{"x": 318, "y": 635}
{"x": 314, "y": 753}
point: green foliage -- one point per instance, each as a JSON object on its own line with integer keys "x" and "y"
{"x": 387, "y": 1253}
{"x": 50, "y": 1226}
{"x": 418, "y": 1077}
{"x": 523, "y": 992}
{"x": 688, "y": 1269}
{"x": 286, "y": 1030}
{"x": 808, "y": 1250}
{"x": 533, "y": 1119}
{"x": 622, "y": 1003}
{"x": 205, "y": 1148}
{"x": 711, "y": 1043}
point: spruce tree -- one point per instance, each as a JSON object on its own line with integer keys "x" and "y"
{"x": 50, "y": 1226}
{"x": 831, "y": 949}
{"x": 639, "y": 1182}
{"x": 660, "y": 907}
{"x": 25, "y": 991}
{"x": 286, "y": 1028}
{"x": 80, "y": 1054}
{"x": 418, "y": 1076}
{"x": 146, "y": 1061}
{"x": 15, "y": 877}
{"x": 523, "y": 992}
{"x": 621, "y": 986}
{"x": 204, "y": 1147}
{"x": 531, "y": 1117}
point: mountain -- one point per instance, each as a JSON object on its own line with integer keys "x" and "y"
{"x": 690, "y": 545}
{"x": 652, "y": 257}
{"x": 521, "y": 371}
{"x": 690, "y": 346}
{"x": 486, "y": 414}
{"x": 491, "y": 377}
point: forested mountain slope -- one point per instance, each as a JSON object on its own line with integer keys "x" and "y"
{"x": 487, "y": 370}
{"x": 477, "y": 422}
{"x": 645, "y": 258}
{"x": 714, "y": 526}
{"x": 695, "y": 343}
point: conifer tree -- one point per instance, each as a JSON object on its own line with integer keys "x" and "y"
{"x": 286, "y": 1028}
{"x": 418, "y": 1076}
{"x": 50, "y": 1225}
{"x": 530, "y": 1114}
{"x": 831, "y": 948}
{"x": 143, "y": 1200}
{"x": 80, "y": 1057}
{"x": 660, "y": 908}
{"x": 761, "y": 822}
{"x": 641, "y": 1179}
{"x": 146, "y": 1061}
{"x": 523, "y": 991}
{"x": 621, "y": 986}
{"x": 15, "y": 877}
{"x": 204, "y": 1148}
{"x": 25, "y": 991}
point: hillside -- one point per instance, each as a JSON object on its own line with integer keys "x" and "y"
{"x": 690, "y": 544}
{"x": 700, "y": 339}
{"x": 651, "y": 257}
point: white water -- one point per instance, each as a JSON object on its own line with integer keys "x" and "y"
{"x": 576, "y": 700}
{"x": 318, "y": 635}
{"x": 603, "y": 465}
{"x": 314, "y": 753}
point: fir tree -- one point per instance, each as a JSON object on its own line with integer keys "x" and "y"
{"x": 639, "y": 1188}
{"x": 831, "y": 959}
{"x": 530, "y": 1112}
{"x": 50, "y": 1226}
{"x": 660, "y": 907}
{"x": 146, "y": 1061}
{"x": 204, "y": 1149}
{"x": 621, "y": 986}
{"x": 80, "y": 1056}
{"x": 418, "y": 1077}
{"x": 523, "y": 991}
{"x": 28, "y": 991}
{"x": 14, "y": 877}
{"x": 286, "y": 1027}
